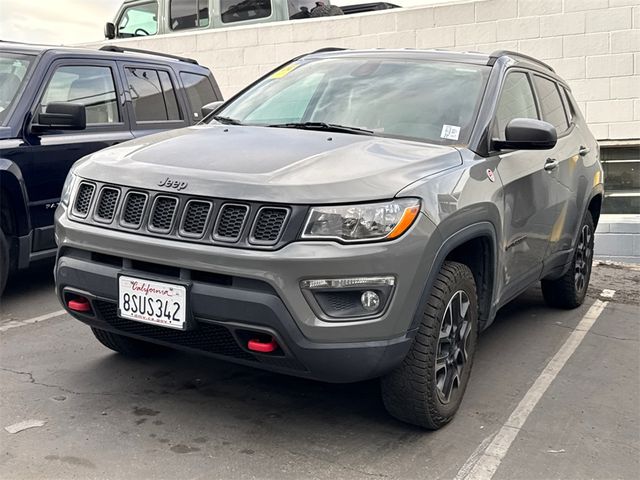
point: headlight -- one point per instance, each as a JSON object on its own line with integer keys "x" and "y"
{"x": 359, "y": 223}
{"x": 67, "y": 189}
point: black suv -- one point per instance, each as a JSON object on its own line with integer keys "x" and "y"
{"x": 60, "y": 104}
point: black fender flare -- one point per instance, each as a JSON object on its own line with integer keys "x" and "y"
{"x": 481, "y": 229}
{"x": 12, "y": 185}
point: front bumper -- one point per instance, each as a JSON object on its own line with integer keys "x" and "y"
{"x": 234, "y": 291}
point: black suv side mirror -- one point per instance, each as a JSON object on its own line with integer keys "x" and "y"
{"x": 527, "y": 134}
{"x": 211, "y": 107}
{"x": 109, "y": 31}
{"x": 61, "y": 116}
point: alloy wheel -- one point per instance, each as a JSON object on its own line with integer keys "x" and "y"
{"x": 583, "y": 258}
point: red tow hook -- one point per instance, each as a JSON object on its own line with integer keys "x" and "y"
{"x": 256, "y": 345}
{"x": 80, "y": 304}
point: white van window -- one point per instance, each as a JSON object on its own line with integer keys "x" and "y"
{"x": 138, "y": 20}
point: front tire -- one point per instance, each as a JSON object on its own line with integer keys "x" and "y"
{"x": 427, "y": 388}
{"x": 130, "y": 347}
{"x": 569, "y": 290}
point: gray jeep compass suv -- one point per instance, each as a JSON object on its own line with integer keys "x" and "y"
{"x": 350, "y": 215}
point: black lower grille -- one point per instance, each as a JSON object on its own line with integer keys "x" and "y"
{"x": 206, "y": 337}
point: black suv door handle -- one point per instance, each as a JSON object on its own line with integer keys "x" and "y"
{"x": 551, "y": 164}
{"x": 583, "y": 150}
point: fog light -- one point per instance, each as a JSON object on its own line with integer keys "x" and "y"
{"x": 370, "y": 301}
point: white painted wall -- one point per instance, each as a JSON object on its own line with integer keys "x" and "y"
{"x": 593, "y": 44}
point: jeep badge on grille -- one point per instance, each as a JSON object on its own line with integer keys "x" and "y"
{"x": 169, "y": 183}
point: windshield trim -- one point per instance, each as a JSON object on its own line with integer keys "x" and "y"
{"x": 32, "y": 58}
{"x": 305, "y": 59}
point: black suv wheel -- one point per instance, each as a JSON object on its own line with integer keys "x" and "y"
{"x": 569, "y": 290}
{"x": 427, "y": 388}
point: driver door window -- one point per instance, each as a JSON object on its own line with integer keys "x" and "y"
{"x": 138, "y": 20}
{"x": 516, "y": 101}
{"x": 90, "y": 86}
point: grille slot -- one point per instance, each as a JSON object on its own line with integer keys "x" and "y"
{"x": 107, "y": 203}
{"x": 133, "y": 209}
{"x": 269, "y": 225}
{"x": 230, "y": 222}
{"x": 164, "y": 209}
{"x": 207, "y": 337}
{"x": 83, "y": 199}
{"x": 194, "y": 220}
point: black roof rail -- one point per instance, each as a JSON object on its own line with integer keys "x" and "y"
{"x": 501, "y": 53}
{"x": 118, "y": 49}
{"x": 329, "y": 49}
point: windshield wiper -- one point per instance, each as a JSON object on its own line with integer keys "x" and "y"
{"x": 329, "y": 127}
{"x": 226, "y": 120}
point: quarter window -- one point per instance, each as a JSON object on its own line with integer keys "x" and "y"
{"x": 139, "y": 20}
{"x": 200, "y": 92}
{"x": 90, "y": 86}
{"x": 243, "y": 10}
{"x": 516, "y": 101}
{"x": 189, "y": 14}
{"x": 152, "y": 94}
{"x": 551, "y": 104}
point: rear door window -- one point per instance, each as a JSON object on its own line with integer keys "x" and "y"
{"x": 152, "y": 94}
{"x": 138, "y": 20}
{"x": 243, "y": 10}
{"x": 551, "y": 103}
{"x": 185, "y": 14}
{"x": 516, "y": 101}
{"x": 199, "y": 91}
{"x": 91, "y": 86}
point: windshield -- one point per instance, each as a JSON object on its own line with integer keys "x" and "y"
{"x": 429, "y": 101}
{"x": 13, "y": 69}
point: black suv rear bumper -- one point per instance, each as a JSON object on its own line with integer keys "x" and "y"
{"x": 224, "y": 317}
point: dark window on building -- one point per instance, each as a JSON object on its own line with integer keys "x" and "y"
{"x": 516, "y": 101}
{"x": 90, "y": 86}
{"x": 188, "y": 14}
{"x": 138, "y": 20}
{"x": 153, "y": 96}
{"x": 621, "y": 179}
{"x": 243, "y": 10}
{"x": 551, "y": 104}
{"x": 200, "y": 92}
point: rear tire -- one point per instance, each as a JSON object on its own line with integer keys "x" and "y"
{"x": 427, "y": 388}
{"x": 569, "y": 290}
{"x": 130, "y": 347}
{"x": 4, "y": 261}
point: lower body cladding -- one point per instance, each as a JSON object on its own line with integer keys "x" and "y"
{"x": 255, "y": 307}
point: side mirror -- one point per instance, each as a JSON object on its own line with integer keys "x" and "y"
{"x": 109, "y": 31}
{"x": 61, "y": 116}
{"x": 211, "y": 107}
{"x": 527, "y": 134}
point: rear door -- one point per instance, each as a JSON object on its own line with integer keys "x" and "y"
{"x": 527, "y": 189}
{"x": 47, "y": 158}
{"x": 153, "y": 104}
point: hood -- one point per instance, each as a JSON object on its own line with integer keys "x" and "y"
{"x": 269, "y": 164}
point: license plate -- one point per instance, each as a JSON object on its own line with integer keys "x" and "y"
{"x": 159, "y": 303}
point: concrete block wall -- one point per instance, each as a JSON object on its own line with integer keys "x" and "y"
{"x": 593, "y": 44}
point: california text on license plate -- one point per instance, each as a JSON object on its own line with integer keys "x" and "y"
{"x": 148, "y": 301}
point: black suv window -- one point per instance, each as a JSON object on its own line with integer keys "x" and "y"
{"x": 90, "y": 86}
{"x": 551, "y": 104}
{"x": 139, "y": 20}
{"x": 199, "y": 90}
{"x": 516, "y": 101}
{"x": 153, "y": 96}
{"x": 242, "y": 10}
{"x": 188, "y": 14}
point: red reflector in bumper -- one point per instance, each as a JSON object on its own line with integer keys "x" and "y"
{"x": 262, "y": 347}
{"x": 79, "y": 305}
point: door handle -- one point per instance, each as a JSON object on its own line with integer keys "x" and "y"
{"x": 551, "y": 164}
{"x": 583, "y": 151}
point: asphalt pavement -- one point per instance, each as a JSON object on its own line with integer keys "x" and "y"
{"x": 189, "y": 417}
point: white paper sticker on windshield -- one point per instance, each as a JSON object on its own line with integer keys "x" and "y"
{"x": 450, "y": 132}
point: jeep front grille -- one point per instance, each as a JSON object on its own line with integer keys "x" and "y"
{"x": 181, "y": 216}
